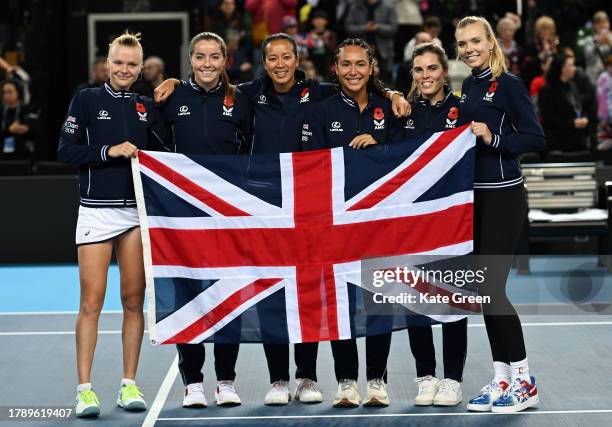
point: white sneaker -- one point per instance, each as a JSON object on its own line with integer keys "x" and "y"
{"x": 278, "y": 394}
{"x": 308, "y": 391}
{"x": 194, "y": 396}
{"x": 449, "y": 393}
{"x": 376, "y": 393}
{"x": 428, "y": 387}
{"x": 347, "y": 395}
{"x": 226, "y": 395}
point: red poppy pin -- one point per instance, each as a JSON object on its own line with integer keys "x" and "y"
{"x": 453, "y": 113}
{"x": 140, "y": 108}
{"x": 228, "y": 102}
{"x": 304, "y": 92}
{"x": 379, "y": 113}
{"x": 492, "y": 87}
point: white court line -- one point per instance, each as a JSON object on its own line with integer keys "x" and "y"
{"x": 441, "y": 414}
{"x": 475, "y": 325}
{"x": 162, "y": 394}
{"x": 11, "y": 334}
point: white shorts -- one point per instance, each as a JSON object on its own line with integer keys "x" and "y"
{"x": 99, "y": 224}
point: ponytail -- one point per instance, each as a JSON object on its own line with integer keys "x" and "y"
{"x": 230, "y": 89}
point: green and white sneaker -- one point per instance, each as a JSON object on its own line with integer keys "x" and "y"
{"x": 131, "y": 398}
{"x": 87, "y": 404}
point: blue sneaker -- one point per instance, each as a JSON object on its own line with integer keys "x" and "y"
{"x": 488, "y": 394}
{"x": 519, "y": 397}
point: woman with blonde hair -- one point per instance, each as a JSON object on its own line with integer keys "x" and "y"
{"x": 504, "y": 121}
{"x": 105, "y": 127}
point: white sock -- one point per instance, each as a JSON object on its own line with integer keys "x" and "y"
{"x": 126, "y": 382}
{"x": 83, "y": 387}
{"x": 520, "y": 370}
{"x": 503, "y": 372}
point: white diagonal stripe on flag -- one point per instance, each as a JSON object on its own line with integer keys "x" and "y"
{"x": 221, "y": 188}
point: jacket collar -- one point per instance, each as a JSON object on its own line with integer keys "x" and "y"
{"x": 482, "y": 74}
{"x": 352, "y": 103}
{"x": 117, "y": 94}
{"x": 447, "y": 94}
{"x": 214, "y": 91}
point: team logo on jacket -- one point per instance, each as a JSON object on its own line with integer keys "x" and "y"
{"x": 463, "y": 96}
{"x": 103, "y": 115}
{"x": 409, "y": 124}
{"x": 306, "y": 132}
{"x": 184, "y": 111}
{"x": 451, "y": 118}
{"x": 70, "y": 126}
{"x": 142, "y": 112}
{"x": 336, "y": 127}
{"x": 228, "y": 106}
{"x": 490, "y": 91}
{"x": 379, "y": 118}
{"x": 305, "y": 95}
{"x": 262, "y": 100}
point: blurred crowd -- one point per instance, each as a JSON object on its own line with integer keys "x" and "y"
{"x": 568, "y": 74}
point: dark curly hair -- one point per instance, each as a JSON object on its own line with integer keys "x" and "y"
{"x": 374, "y": 83}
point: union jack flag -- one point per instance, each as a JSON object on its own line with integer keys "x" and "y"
{"x": 277, "y": 241}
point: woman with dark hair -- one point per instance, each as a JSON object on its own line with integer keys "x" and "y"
{"x": 358, "y": 116}
{"x": 560, "y": 104}
{"x": 18, "y": 123}
{"x": 208, "y": 115}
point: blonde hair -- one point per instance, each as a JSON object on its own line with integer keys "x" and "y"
{"x": 129, "y": 40}
{"x": 497, "y": 60}
{"x": 422, "y": 49}
{"x": 506, "y": 21}
{"x": 545, "y": 22}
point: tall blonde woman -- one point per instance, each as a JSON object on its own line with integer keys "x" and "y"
{"x": 104, "y": 128}
{"x": 505, "y": 123}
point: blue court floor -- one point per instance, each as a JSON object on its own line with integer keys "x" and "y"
{"x": 569, "y": 343}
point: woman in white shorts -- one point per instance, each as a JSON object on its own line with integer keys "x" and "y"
{"x": 103, "y": 129}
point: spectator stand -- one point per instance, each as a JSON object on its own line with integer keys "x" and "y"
{"x": 564, "y": 203}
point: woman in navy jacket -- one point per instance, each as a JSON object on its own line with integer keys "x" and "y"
{"x": 505, "y": 123}
{"x": 280, "y": 100}
{"x": 103, "y": 129}
{"x": 358, "y": 116}
{"x": 208, "y": 115}
{"x": 435, "y": 109}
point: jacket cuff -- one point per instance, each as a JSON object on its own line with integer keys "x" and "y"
{"x": 495, "y": 141}
{"x": 104, "y": 153}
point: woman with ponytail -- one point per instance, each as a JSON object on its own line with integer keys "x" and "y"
{"x": 435, "y": 109}
{"x": 208, "y": 115}
{"x": 358, "y": 116}
{"x": 503, "y": 118}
